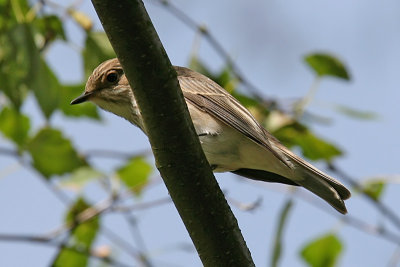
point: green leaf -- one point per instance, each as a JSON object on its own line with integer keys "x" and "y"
{"x": 374, "y": 189}
{"x": 80, "y": 177}
{"x": 245, "y": 100}
{"x": 82, "y": 237}
{"x": 311, "y": 146}
{"x": 197, "y": 65}
{"x": 277, "y": 119}
{"x": 53, "y": 154}
{"x": 277, "y": 250}
{"x": 14, "y": 125}
{"x": 135, "y": 174}
{"x": 224, "y": 78}
{"x": 322, "y": 252}
{"x": 81, "y": 18}
{"x": 258, "y": 110}
{"x": 47, "y": 89}
{"x": 316, "y": 148}
{"x": 85, "y": 232}
{"x": 356, "y": 114}
{"x": 50, "y": 28}
{"x": 327, "y": 65}
{"x": 12, "y": 12}
{"x": 19, "y": 58}
{"x": 67, "y": 257}
{"x": 97, "y": 49}
{"x": 68, "y": 93}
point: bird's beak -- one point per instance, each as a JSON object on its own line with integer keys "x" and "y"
{"x": 82, "y": 98}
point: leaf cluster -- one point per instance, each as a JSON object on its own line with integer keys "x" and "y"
{"x": 27, "y": 31}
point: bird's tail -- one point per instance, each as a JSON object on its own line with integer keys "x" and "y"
{"x": 310, "y": 178}
{"x": 323, "y": 186}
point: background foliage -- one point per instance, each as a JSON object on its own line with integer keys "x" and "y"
{"x": 34, "y": 109}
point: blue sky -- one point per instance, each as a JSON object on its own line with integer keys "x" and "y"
{"x": 267, "y": 39}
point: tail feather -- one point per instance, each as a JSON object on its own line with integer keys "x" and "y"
{"x": 317, "y": 182}
{"x": 341, "y": 189}
{"x": 326, "y": 188}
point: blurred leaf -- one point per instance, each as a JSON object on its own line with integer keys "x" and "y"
{"x": 67, "y": 257}
{"x": 12, "y": 13}
{"x": 277, "y": 250}
{"x": 49, "y": 28}
{"x": 85, "y": 232}
{"x": 68, "y": 93}
{"x": 47, "y": 89}
{"x": 356, "y": 114}
{"x": 316, "y": 118}
{"x": 245, "y": 100}
{"x": 224, "y": 78}
{"x": 322, "y": 252}
{"x": 277, "y": 119}
{"x": 53, "y": 154}
{"x": 83, "y": 236}
{"x": 311, "y": 146}
{"x": 315, "y": 148}
{"x": 374, "y": 189}
{"x": 97, "y": 49}
{"x": 19, "y": 58}
{"x": 197, "y": 65}
{"x": 81, "y": 18}
{"x": 259, "y": 111}
{"x": 135, "y": 174}
{"x": 327, "y": 65}
{"x": 80, "y": 177}
{"x": 14, "y": 125}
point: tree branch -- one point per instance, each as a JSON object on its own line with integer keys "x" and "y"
{"x": 179, "y": 157}
{"x": 50, "y": 242}
{"x": 384, "y": 209}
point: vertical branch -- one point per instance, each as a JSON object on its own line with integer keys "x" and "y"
{"x": 306, "y": 100}
{"x": 179, "y": 157}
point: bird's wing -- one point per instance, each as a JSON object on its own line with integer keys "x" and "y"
{"x": 212, "y": 98}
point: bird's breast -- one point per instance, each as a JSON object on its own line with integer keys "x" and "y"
{"x": 221, "y": 143}
{"x": 227, "y": 149}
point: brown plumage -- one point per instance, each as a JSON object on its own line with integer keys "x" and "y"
{"x": 231, "y": 138}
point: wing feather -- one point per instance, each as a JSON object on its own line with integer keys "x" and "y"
{"x": 212, "y": 98}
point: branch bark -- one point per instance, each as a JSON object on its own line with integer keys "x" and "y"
{"x": 179, "y": 157}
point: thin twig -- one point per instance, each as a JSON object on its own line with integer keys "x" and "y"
{"x": 91, "y": 211}
{"x": 134, "y": 228}
{"x": 395, "y": 258}
{"x": 9, "y": 152}
{"x": 143, "y": 205}
{"x": 244, "y": 206}
{"x": 83, "y": 216}
{"x": 116, "y": 154}
{"x": 50, "y": 242}
{"x": 381, "y": 207}
{"x": 377, "y": 231}
{"x": 188, "y": 21}
{"x": 89, "y": 214}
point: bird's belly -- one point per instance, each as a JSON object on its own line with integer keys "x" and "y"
{"x": 230, "y": 150}
{"x": 219, "y": 142}
{"x": 222, "y": 151}
{"x": 227, "y": 149}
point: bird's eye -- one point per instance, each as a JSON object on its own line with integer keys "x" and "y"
{"x": 112, "y": 77}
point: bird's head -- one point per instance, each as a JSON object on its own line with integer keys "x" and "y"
{"x": 109, "y": 88}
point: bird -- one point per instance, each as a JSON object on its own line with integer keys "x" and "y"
{"x": 231, "y": 138}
